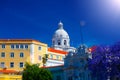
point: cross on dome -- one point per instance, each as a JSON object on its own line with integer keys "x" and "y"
{"x": 60, "y": 25}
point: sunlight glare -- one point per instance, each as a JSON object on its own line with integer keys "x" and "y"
{"x": 115, "y": 4}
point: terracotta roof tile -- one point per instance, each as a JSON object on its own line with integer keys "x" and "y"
{"x": 52, "y": 66}
{"x": 18, "y": 40}
{"x": 7, "y": 71}
{"x": 57, "y": 51}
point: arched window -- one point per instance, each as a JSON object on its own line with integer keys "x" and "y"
{"x": 60, "y": 35}
{"x": 59, "y": 43}
{"x": 65, "y": 42}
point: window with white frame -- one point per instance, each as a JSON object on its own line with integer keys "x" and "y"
{"x": 12, "y": 46}
{"x": 21, "y": 64}
{"x": 12, "y": 54}
{"x": 11, "y": 64}
{"x": 51, "y": 56}
{"x": 26, "y": 46}
{"x": 2, "y": 64}
{"x": 3, "y": 46}
{"x": 21, "y": 46}
{"x": 17, "y": 46}
{"x": 3, "y": 54}
{"x": 57, "y": 57}
{"x": 39, "y": 48}
{"x": 21, "y": 54}
{"x": 39, "y": 58}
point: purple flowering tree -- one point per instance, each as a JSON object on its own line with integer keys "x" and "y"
{"x": 105, "y": 63}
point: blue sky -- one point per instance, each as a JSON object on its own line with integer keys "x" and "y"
{"x": 38, "y": 19}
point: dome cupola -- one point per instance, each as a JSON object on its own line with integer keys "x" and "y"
{"x": 60, "y": 38}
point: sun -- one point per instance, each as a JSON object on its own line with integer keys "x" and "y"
{"x": 113, "y": 6}
{"x": 115, "y": 3}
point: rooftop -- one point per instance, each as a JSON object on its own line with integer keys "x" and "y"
{"x": 20, "y": 41}
{"x": 6, "y": 71}
{"x": 57, "y": 51}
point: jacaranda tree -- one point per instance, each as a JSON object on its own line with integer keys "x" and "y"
{"x": 105, "y": 62}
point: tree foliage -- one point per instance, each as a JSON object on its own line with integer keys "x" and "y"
{"x": 33, "y": 72}
{"x": 44, "y": 59}
{"x": 105, "y": 62}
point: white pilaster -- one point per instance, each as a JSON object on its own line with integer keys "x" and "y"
{"x": 32, "y": 50}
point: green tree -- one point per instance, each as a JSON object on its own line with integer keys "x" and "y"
{"x": 44, "y": 59}
{"x": 33, "y": 72}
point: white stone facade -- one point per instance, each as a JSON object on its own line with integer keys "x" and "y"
{"x": 75, "y": 65}
{"x": 51, "y": 62}
{"x": 32, "y": 53}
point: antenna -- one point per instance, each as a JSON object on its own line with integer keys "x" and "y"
{"x": 82, "y": 23}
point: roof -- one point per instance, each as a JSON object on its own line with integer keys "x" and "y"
{"x": 18, "y": 40}
{"x": 61, "y": 33}
{"x": 52, "y": 66}
{"x": 7, "y": 71}
{"x": 57, "y": 51}
{"x": 92, "y": 48}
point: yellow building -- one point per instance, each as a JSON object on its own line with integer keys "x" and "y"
{"x": 55, "y": 57}
{"x": 14, "y": 53}
{"x": 10, "y": 75}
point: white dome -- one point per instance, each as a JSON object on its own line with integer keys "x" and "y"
{"x": 60, "y": 38}
{"x": 61, "y": 33}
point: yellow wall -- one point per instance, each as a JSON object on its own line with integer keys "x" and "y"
{"x": 10, "y": 77}
{"x": 38, "y": 52}
{"x": 7, "y": 59}
{"x": 27, "y": 57}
